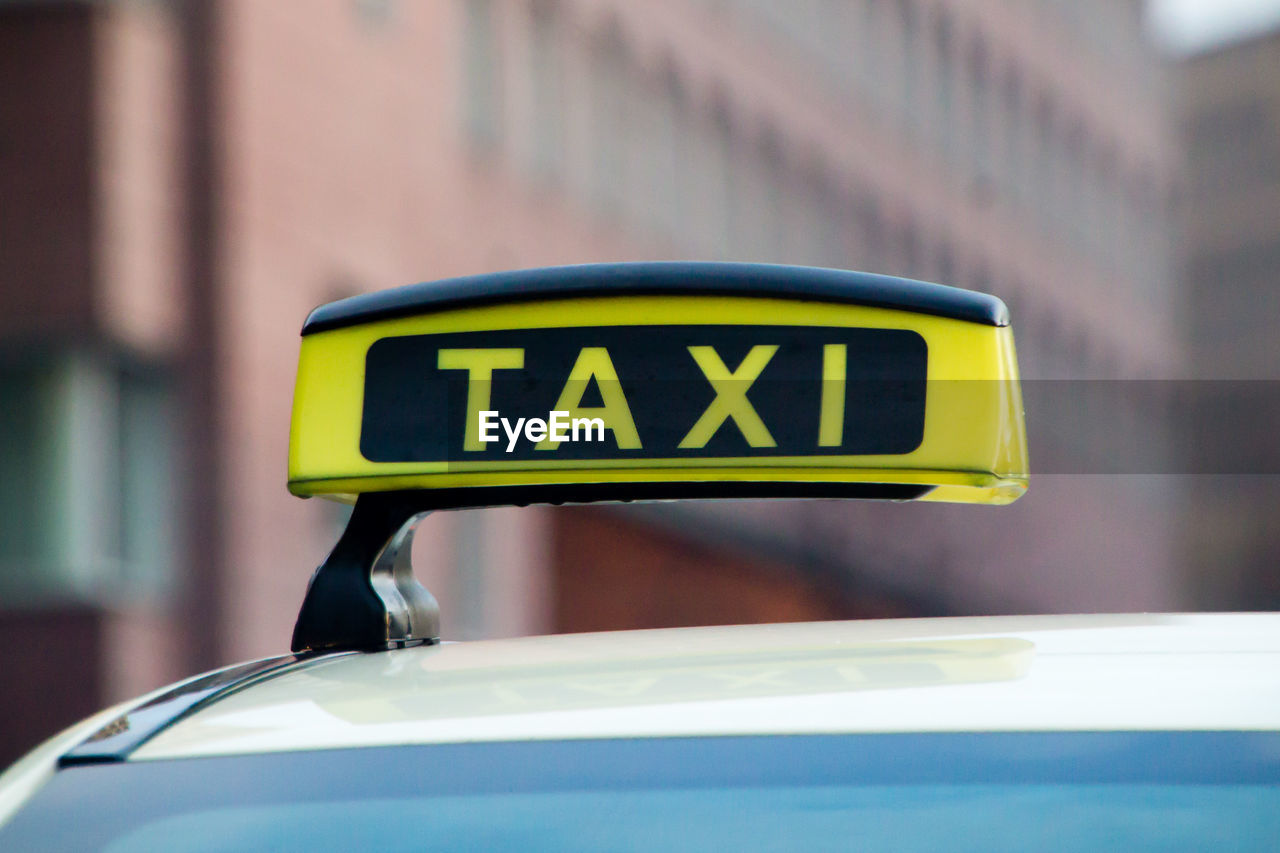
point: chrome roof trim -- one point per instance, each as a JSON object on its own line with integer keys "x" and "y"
{"x": 121, "y": 736}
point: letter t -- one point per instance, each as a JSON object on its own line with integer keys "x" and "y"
{"x": 479, "y": 364}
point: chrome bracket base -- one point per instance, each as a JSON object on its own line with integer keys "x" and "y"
{"x": 364, "y": 595}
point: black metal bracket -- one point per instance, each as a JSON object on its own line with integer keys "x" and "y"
{"x": 364, "y": 595}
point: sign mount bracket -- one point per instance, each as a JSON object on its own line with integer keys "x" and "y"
{"x": 364, "y": 595}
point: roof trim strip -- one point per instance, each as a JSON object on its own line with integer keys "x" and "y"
{"x": 117, "y": 739}
{"x": 660, "y": 279}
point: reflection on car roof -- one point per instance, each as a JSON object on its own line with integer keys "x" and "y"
{"x": 994, "y": 674}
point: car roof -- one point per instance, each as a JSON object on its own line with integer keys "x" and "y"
{"x": 1148, "y": 671}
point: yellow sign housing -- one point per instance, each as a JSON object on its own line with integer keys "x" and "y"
{"x": 687, "y": 380}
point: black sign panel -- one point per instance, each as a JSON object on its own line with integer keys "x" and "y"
{"x": 680, "y": 392}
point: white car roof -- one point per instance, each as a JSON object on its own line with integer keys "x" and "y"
{"x": 1163, "y": 672}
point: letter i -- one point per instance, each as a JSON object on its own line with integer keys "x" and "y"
{"x": 835, "y": 358}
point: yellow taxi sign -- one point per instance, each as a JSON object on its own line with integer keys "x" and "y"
{"x": 655, "y": 381}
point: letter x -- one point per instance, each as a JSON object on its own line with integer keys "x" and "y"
{"x": 731, "y": 397}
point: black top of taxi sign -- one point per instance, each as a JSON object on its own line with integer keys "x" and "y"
{"x": 664, "y": 278}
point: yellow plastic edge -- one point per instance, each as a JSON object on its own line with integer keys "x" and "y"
{"x": 974, "y": 447}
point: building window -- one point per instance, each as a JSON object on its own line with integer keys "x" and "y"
{"x": 147, "y": 459}
{"x": 93, "y": 443}
{"x": 1102, "y": 225}
{"x": 1234, "y": 145}
{"x": 546, "y": 55}
{"x": 910, "y": 251}
{"x": 728, "y": 216}
{"x": 980, "y": 118}
{"x": 1045, "y": 163}
{"x": 651, "y": 168}
{"x": 874, "y": 255}
{"x": 908, "y": 62}
{"x": 609, "y": 121}
{"x": 874, "y": 39}
{"x": 375, "y": 13}
{"x": 482, "y": 96}
{"x": 779, "y": 208}
{"x": 832, "y": 218}
{"x": 472, "y": 534}
{"x": 1018, "y": 160}
{"x": 677, "y": 135}
{"x": 944, "y": 83}
{"x": 980, "y": 280}
{"x": 946, "y": 265}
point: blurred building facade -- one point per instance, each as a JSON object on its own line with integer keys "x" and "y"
{"x": 184, "y": 181}
{"x": 1229, "y": 119}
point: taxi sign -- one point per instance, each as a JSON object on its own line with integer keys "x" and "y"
{"x": 658, "y": 381}
{"x": 634, "y": 382}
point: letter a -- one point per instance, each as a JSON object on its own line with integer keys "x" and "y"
{"x": 594, "y": 362}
